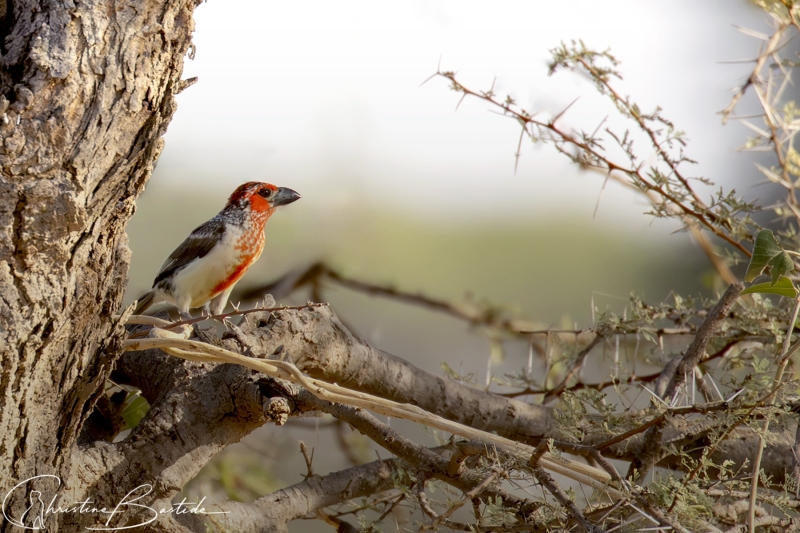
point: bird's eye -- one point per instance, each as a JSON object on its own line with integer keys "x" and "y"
{"x": 266, "y": 193}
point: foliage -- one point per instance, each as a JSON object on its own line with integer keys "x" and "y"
{"x": 752, "y": 343}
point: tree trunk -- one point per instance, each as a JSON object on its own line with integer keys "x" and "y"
{"x": 86, "y": 92}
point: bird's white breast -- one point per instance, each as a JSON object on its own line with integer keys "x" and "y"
{"x": 194, "y": 283}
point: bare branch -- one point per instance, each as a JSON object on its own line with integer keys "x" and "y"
{"x": 697, "y": 349}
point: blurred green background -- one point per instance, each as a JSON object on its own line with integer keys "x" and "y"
{"x": 549, "y": 269}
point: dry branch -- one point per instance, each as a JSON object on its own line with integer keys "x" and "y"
{"x": 316, "y": 340}
{"x": 202, "y": 352}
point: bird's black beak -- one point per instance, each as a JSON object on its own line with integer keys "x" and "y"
{"x": 284, "y": 196}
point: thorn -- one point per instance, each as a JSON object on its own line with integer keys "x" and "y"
{"x": 429, "y": 78}
{"x": 599, "y": 125}
{"x": 464, "y": 95}
{"x": 733, "y": 395}
{"x": 564, "y": 111}
{"x": 603, "y": 188}
{"x": 519, "y": 148}
{"x": 654, "y": 395}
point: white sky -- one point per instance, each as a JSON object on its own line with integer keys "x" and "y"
{"x": 325, "y": 97}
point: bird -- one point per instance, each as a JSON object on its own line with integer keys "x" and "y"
{"x": 203, "y": 270}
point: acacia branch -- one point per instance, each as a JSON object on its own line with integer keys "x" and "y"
{"x": 323, "y": 349}
{"x": 272, "y": 512}
{"x": 704, "y": 217}
{"x": 198, "y": 351}
{"x": 196, "y": 412}
{"x": 697, "y": 349}
{"x": 319, "y": 272}
{"x": 319, "y": 343}
{"x": 770, "y": 47}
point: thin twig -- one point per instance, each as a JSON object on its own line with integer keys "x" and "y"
{"x": 704, "y": 217}
{"x": 697, "y": 348}
{"x": 468, "y": 496}
{"x": 552, "y": 487}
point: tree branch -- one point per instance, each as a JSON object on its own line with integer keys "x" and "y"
{"x": 197, "y": 410}
{"x": 272, "y": 512}
{"x": 697, "y": 349}
{"x": 323, "y": 348}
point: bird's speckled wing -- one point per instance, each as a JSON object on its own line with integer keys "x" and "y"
{"x": 197, "y": 244}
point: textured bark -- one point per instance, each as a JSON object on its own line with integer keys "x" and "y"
{"x": 197, "y": 410}
{"x": 317, "y": 342}
{"x": 86, "y": 92}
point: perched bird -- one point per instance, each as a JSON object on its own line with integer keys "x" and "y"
{"x": 203, "y": 270}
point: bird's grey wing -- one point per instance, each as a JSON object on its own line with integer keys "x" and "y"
{"x": 197, "y": 244}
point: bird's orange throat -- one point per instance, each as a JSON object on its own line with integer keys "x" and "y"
{"x": 259, "y": 205}
{"x": 248, "y": 248}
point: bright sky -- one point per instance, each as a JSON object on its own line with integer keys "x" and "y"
{"x": 325, "y": 97}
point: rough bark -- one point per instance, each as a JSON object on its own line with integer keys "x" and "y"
{"x": 317, "y": 342}
{"x": 86, "y": 92}
{"x": 197, "y": 410}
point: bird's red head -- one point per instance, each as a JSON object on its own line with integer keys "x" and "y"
{"x": 261, "y": 197}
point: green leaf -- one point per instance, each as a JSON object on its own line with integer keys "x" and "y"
{"x": 782, "y": 287}
{"x": 760, "y": 366}
{"x": 780, "y": 265}
{"x": 768, "y": 253}
{"x": 135, "y": 409}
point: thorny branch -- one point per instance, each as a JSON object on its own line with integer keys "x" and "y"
{"x": 697, "y": 349}
{"x": 195, "y": 350}
{"x": 201, "y": 352}
{"x": 590, "y": 154}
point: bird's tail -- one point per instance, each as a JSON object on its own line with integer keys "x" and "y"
{"x": 144, "y": 302}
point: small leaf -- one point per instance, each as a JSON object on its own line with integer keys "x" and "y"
{"x": 768, "y": 253}
{"x": 782, "y": 287}
{"x": 780, "y": 265}
{"x": 135, "y": 409}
